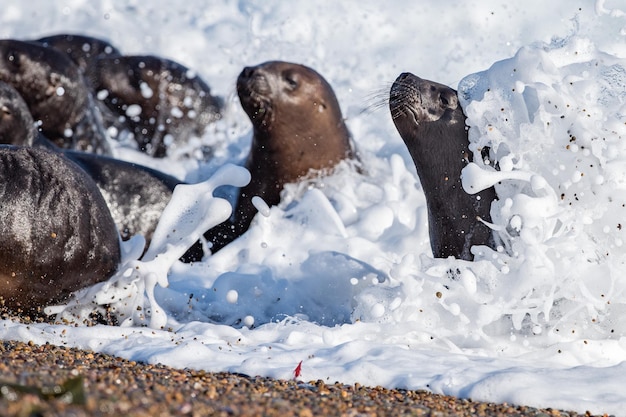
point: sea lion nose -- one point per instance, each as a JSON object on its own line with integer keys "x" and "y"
{"x": 247, "y": 72}
{"x": 407, "y": 77}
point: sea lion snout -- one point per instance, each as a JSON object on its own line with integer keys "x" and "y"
{"x": 253, "y": 80}
{"x": 255, "y": 94}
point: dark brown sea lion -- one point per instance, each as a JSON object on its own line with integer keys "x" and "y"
{"x": 297, "y": 129}
{"x": 136, "y": 195}
{"x": 159, "y": 101}
{"x": 432, "y": 124}
{"x": 56, "y": 94}
{"x": 57, "y": 233}
{"x": 83, "y": 50}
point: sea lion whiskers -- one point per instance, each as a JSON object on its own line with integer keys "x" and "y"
{"x": 376, "y": 100}
{"x": 402, "y": 98}
{"x": 263, "y": 109}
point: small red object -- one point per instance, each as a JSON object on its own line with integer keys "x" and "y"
{"x": 298, "y": 370}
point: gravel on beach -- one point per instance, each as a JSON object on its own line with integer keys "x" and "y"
{"x": 47, "y": 380}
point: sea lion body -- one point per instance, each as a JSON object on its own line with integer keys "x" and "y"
{"x": 57, "y": 233}
{"x": 159, "y": 101}
{"x": 430, "y": 121}
{"x": 298, "y": 129}
{"x": 83, "y": 50}
{"x": 135, "y": 195}
{"x": 56, "y": 94}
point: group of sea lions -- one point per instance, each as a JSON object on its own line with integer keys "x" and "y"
{"x": 77, "y": 87}
{"x": 65, "y": 201}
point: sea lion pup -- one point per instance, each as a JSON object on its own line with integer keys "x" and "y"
{"x": 159, "y": 101}
{"x": 57, "y": 233}
{"x": 297, "y": 128}
{"x": 83, "y": 50}
{"x": 56, "y": 94}
{"x": 432, "y": 125}
{"x": 136, "y": 195}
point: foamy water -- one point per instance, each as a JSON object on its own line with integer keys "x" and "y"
{"x": 340, "y": 275}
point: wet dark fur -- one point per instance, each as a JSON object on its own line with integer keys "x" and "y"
{"x": 56, "y": 94}
{"x": 136, "y": 195}
{"x": 302, "y": 130}
{"x": 432, "y": 124}
{"x": 117, "y": 81}
{"x": 57, "y": 233}
{"x": 83, "y": 50}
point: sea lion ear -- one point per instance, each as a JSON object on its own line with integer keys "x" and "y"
{"x": 321, "y": 106}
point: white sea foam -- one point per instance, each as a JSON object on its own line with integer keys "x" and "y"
{"x": 340, "y": 274}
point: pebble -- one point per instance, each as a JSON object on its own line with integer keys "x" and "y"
{"x": 48, "y": 380}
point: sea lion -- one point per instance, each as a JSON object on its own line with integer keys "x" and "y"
{"x": 297, "y": 129}
{"x": 83, "y": 50}
{"x": 135, "y": 195}
{"x": 432, "y": 125}
{"x": 56, "y": 94}
{"x": 159, "y": 101}
{"x": 57, "y": 233}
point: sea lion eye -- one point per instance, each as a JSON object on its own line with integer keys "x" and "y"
{"x": 444, "y": 100}
{"x": 291, "y": 79}
{"x": 5, "y": 110}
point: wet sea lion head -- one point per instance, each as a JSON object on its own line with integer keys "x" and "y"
{"x": 432, "y": 125}
{"x": 414, "y": 101}
{"x": 296, "y": 117}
